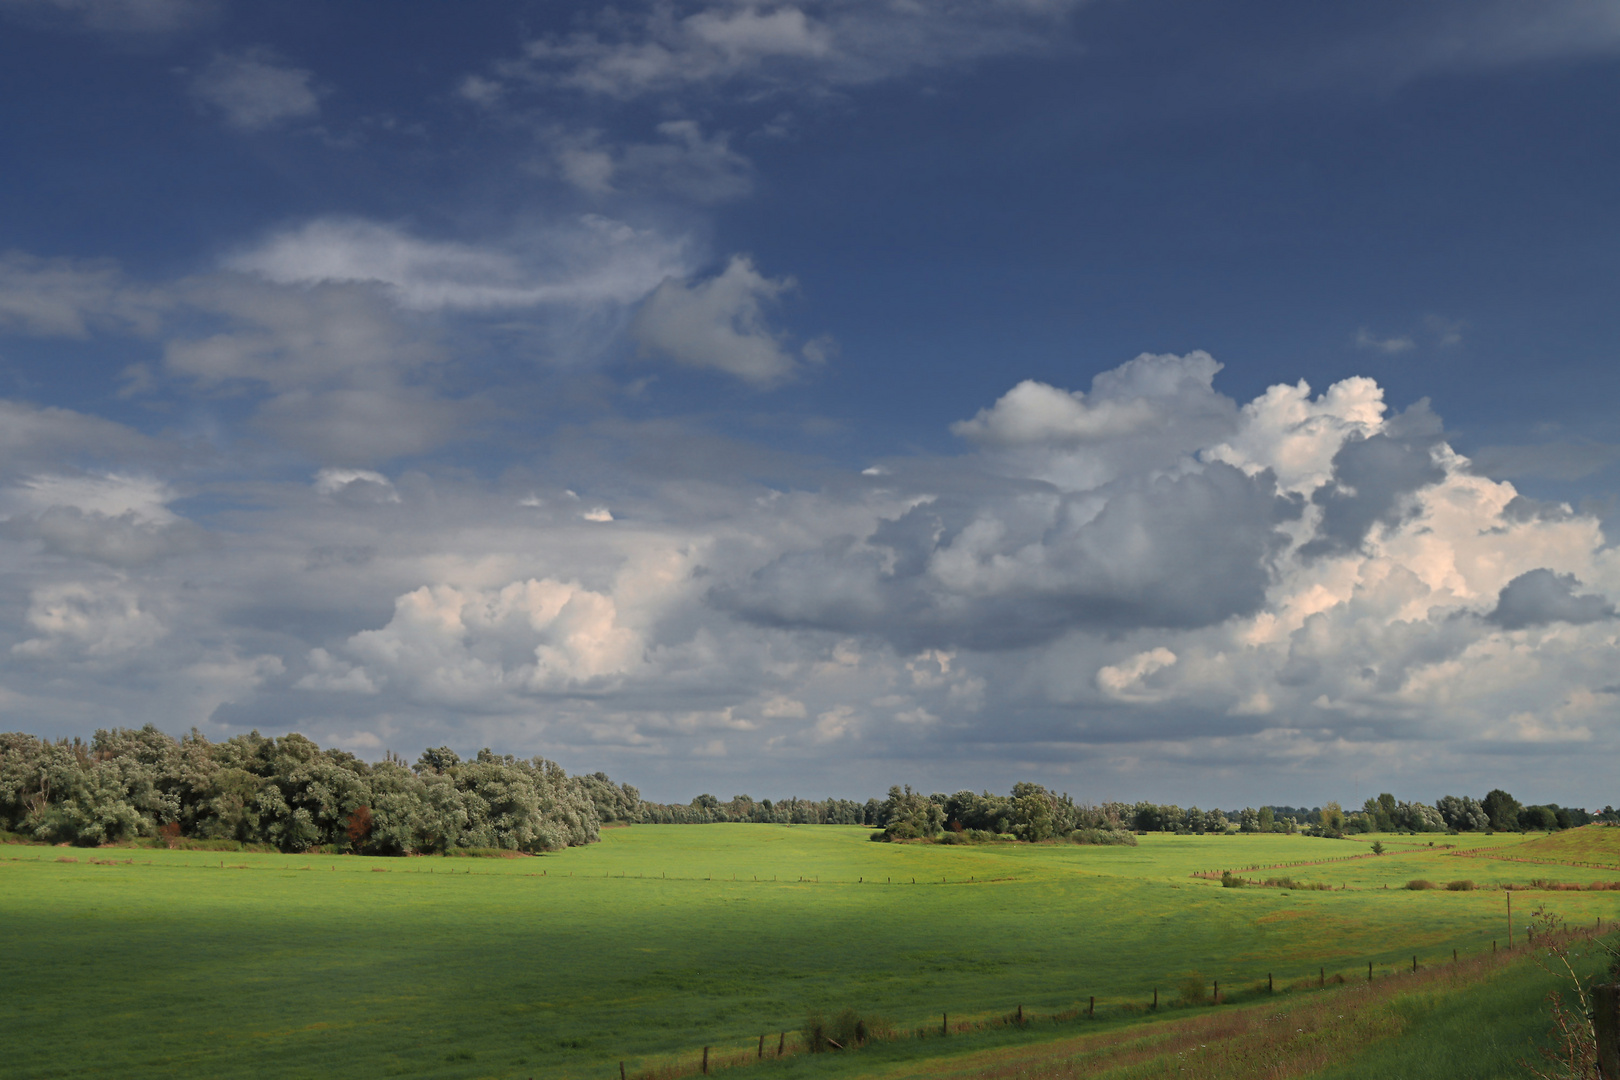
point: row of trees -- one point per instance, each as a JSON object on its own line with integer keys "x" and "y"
{"x": 1030, "y": 812}
{"x": 706, "y": 809}
{"x": 291, "y": 794}
{"x": 1496, "y": 812}
{"x": 286, "y": 792}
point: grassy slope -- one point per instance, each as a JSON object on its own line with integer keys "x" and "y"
{"x": 179, "y": 965}
{"x": 1594, "y": 844}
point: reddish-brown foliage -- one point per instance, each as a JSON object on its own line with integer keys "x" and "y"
{"x": 359, "y": 825}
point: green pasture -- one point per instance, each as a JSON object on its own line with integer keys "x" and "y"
{"x": 663, "y": 939}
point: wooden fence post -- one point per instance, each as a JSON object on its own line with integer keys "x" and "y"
{"x": 1020, "y": 1016}
{"x": 781, "y": 1044}
{"x": 1606, "y": 1025}
{"x": 1414, "y": 965}
{"x": 705, "y": 1061}
{"x": 761, "y": 1055}
{"x": 1217, "y": 991}
{"x": 1092, "y": 1011}
{"x": 1510, "y": 918}
{"x": 1155, "y": 997}
{"x": 1270, "y": 988}
{"x": 944, "y": 1023}
{"x": 1369, "y": 971}
{"x": 621, "y": 1070}
{"x": 1321, "y": 979}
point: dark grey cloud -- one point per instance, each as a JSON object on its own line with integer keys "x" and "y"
{"x": 1541, "y": 597}
{"x": 1171, "y": 552}
{"x": 1522, "y": 509}
{"x": 1371, "y": 478}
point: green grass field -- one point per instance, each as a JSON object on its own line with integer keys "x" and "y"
{"x": 663, "y": 939}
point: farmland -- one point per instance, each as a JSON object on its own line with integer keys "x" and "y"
{"x": 663, "y": 939}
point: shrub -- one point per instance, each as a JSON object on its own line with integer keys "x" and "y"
{"x": 1420, "y": 883}
{"x": 849, "y": 1030}
{"x": 1290, "y": 883}
{"x": 815, "y": 1032}
{"x": 1103, "y": 836}
{"x": 1194, "y": 989}
{"x": 1231, "y": 881}
{"x": 1460, "y": 886}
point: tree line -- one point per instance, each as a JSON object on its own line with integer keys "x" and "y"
{"x": 290, "y": 794}
{"x": 285, "y": 793}
{"x": 1029, "y": 813}
{"x": 1496, "y": 812}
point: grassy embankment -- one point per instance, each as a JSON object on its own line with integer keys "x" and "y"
{"x": 662, "y": 940}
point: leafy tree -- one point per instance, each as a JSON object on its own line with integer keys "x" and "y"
{"x": 1333, "y": 820}
{"x": 908, "y": 815}
{"x": 1502, "y": 809}
{"x": 1538, "y": 818}
{"x": 1464, "y": 813}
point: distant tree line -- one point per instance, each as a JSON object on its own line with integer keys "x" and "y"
{"x": 707, "y": 809}
{"x": 1496, "y": 812}
{"x": 1029, "y": 813}
{"x": 290, "y": 794}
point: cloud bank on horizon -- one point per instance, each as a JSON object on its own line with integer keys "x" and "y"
{"x": 605, "y": 447}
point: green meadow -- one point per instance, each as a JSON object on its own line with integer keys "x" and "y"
{"x": 661, "y": 940}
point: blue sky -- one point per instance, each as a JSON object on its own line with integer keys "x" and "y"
{"x": 1157, "y": 400}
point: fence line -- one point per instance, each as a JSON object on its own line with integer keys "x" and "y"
{"x": 1480, "y": 854}
{"x": 689, "y": 1064}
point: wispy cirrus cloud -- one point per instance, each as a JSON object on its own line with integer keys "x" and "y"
{"x": 818, "y": 44}
{"x": 592, "y": 260}
{"x": 145, "y": 17}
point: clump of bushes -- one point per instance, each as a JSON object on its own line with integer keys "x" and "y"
{"x": 1230, "y": 880}
{"x": 1193, "y": 990}
{"x": 1298, "y": 886}
{"x": 1460, "y": 886}
{"x": 1103, "y": 836}
{"x": 849, "y": 1030}
{"x": 1418, "y": 884}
